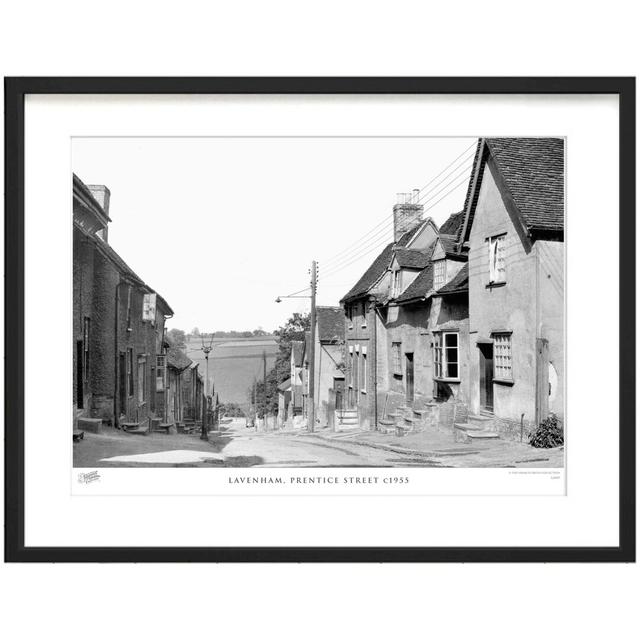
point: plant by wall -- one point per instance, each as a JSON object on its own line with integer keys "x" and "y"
{"x": 550, "y": 433}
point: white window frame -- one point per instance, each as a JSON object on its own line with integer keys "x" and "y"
{"x": 497, "y": 262}
{"x": 502, "y": 356}
{"x": 440, "y": 358}
{"x": 397, "y": 283}
{"x": 439, "y": 273}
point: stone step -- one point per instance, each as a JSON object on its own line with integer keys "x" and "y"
{"x": 388, "y": 429}
{"x": 94, "y": 425}
{"x": 480, "y": 418}
{"x": 482, "y": 435}
{"x": 387, "y": 423}
{"x": 141, "y": 428}
{"x": 466, "y": 426}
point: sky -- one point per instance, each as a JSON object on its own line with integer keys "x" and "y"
{"x": 221, "y": 227}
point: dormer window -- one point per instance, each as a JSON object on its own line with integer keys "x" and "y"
{"x": 497, "y": 272}
{"x": 439, "y": 274}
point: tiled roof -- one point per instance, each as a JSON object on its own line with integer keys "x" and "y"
{"x": 177, "y": 359}
{"x": 452, "y": 224}
{"x": 458, "y": 284}
{"x": 297, "y": 349}
{"x": 330, "y": 324}
{"x": 382, "y": 262}
{"x": 532, "y": 170}
{"x": 372, "y": 274}
{"x": 411, "y": 259}
{"x": 449, "y": 245}
{"x": 408, "y": 236}
{"x": 420, "y": 287}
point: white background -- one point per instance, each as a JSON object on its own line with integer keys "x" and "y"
{"x": 332, "y": 39}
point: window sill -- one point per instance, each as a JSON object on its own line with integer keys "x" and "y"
{"x": 350, "y": 327}
{"x": 397, "y": 375}
{"x": 508, "y": 383}
{"x": 454, "y": 380}
{"x": 363, "y": 391}
{"x": 495, "y": 285}
{"x": 363, "y": 326}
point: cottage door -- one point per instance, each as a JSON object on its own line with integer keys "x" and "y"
{"x": 338, "y": 387}
{"x": 486, "y": 376}
{"x": 122, "y": 385}
{"x": 409, "y": 369}
{"x": 79, "y": 374}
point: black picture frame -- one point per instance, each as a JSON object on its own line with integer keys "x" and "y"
{"x": 15, "y": 91}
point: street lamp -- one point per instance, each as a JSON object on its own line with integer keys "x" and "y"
{"x": 312, "y": 341}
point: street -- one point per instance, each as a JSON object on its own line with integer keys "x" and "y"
{"x": 235, "y": 445}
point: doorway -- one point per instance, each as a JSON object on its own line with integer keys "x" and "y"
{"x": 409, "y": 376}
{"x": 79, "y": 374}
{"x": 122, "y": 385}
{"x": 486, "y": 376}
{"x": 338, "y": 387}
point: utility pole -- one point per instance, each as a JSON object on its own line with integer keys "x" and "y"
{"x": 312, "y": 349}
{"x": 264, "y": 378}
{"x": 207, "y": 350}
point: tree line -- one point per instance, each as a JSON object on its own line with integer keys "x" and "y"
{"x": 292, "y": 330}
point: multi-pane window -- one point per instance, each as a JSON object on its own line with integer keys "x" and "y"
{"x": 85, "y": 348}
{"x": 130, "y": 371}
{"x": 446, "y": 360}
{"x": 364, "y": 372}
{"x": 160, "y": 365}
{"x": 502, "y": 362}
{"x": 397, "y": 362}
{"x": 142, "y": 380}
{"x": 497, "y": 271}
{"x": 364, "y": 315}
{"x": 439, "y": 273}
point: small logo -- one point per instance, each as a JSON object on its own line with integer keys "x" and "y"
{"x": 86, "y": 478}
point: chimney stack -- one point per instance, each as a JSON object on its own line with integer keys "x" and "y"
{"x": 407, "y": 213}
{"x": 102, "y": 195}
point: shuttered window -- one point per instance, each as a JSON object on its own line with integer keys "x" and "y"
{"x": 439, "y": 274}
{"x": 497, "y": 271}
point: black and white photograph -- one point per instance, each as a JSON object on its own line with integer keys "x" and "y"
{"x": 299, "y": 302}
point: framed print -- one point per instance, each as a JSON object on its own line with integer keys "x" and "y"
{"x": 320, "y": 319}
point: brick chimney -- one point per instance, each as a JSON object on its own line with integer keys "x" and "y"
{"x": 102, "y": 195}
{"x": 406, "y": 213}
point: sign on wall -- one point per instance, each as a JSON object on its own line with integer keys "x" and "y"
{"x": 149, "y": 307}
